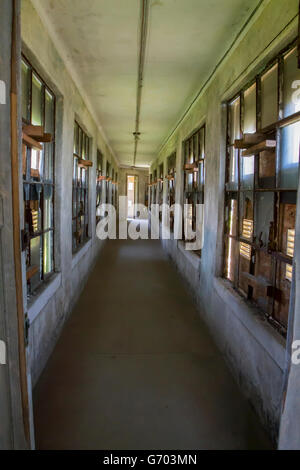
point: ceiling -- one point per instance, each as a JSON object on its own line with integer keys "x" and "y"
{"x": 185, "y": 41}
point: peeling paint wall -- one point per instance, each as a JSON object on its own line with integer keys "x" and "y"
{"x": 49, "y": 310}
{"x": 254, "y": 350}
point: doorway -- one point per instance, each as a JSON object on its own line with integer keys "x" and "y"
{"x": 132, "y": 195}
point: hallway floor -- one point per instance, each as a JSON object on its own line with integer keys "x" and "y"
{"x": 135, "y": 368}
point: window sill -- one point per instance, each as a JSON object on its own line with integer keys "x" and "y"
{"x": 82, "y": 251}
{"x": 193, "y": 257}
{"x": 253, "y": 320}
{"x": 46, "y": 293}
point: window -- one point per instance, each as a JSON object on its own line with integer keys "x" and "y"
{"x": 160, "y": 187}
{"x": 116, "y": 191}
{"x": 154, "y": 187}
{"x": 171, "y": 179}
{"x": 114, "y": 188}
{"x": 108, "y": 182}
{"x": 194, "y": 174}
{"x": 81, "y": 164}
{"x": 150, "y": 190}
{"x": 99, "y": 183}
{"x": 38, "y": 116}
{"x": 263, "y": 136}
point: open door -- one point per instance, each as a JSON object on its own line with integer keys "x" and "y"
{"x": 132, "y": 195}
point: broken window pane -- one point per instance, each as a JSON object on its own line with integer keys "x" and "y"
{"x": 269, "y": 97}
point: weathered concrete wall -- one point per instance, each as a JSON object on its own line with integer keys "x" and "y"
{"x": 50, "y": 308}
{"x": 254, "y": 350}
{"x": 11, "y": 419}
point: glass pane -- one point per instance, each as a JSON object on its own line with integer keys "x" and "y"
{"x": 246, "y": 215}
{"x": 196, "y": 146}
{"x": 231, "y": 256}
{"x": 287, "y": 226}
{"x": 202, "y": 142}
{"x": 25, "y": 77}
{"x": 35, "y": 222}
{"x": 281, "y": 310}
{"x": 35, "y": 260}
{"x": 49, "y": 113}
{"x": 48, "y": 252}
{"x": 264, "y": 217}
{"x": 250, "y": 110}
{"x": 269, "y": 97}
{"x": 267, "y": 169}
{"x": 247, "y": 172}
{"x": 234, "y": 119}
{"x": 76, "y": 136}
{"x": 263, "y": 269}
{"x": 48, "y": 206}
{"x": 233, "y": 169}
{"x": 36, "y": 164}
{"x": 36, "y": 117}
{"x": 289, "y": 156}
{"x": 83, "y": 146}
{"x": 48, "y": 161}
{"x": 87, "y": 145}
{"x": 291, "y": 83}
{"x": 231, "y": 217}
{"x": 80, "y": 142}
{"x": 244, "y": 268}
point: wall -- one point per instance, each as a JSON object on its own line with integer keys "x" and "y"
{"x": 11, "y": 418}
{"x": 254, "y": 350}
{"x": 50, "y": 308}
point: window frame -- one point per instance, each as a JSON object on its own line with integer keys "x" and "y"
{"x": 99, "y": 182}
{"x": 196, "y": 168}
{"x": 274, "y": 131}
{"x": 77, "y": 184}
{"x": 30, "y": 174}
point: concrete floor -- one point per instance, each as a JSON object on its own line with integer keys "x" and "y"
{"x": 135, "y": 368}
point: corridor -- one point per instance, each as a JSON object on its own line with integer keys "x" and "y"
{"x": 135, "y": 368}
{"x": 180, "y": 114}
